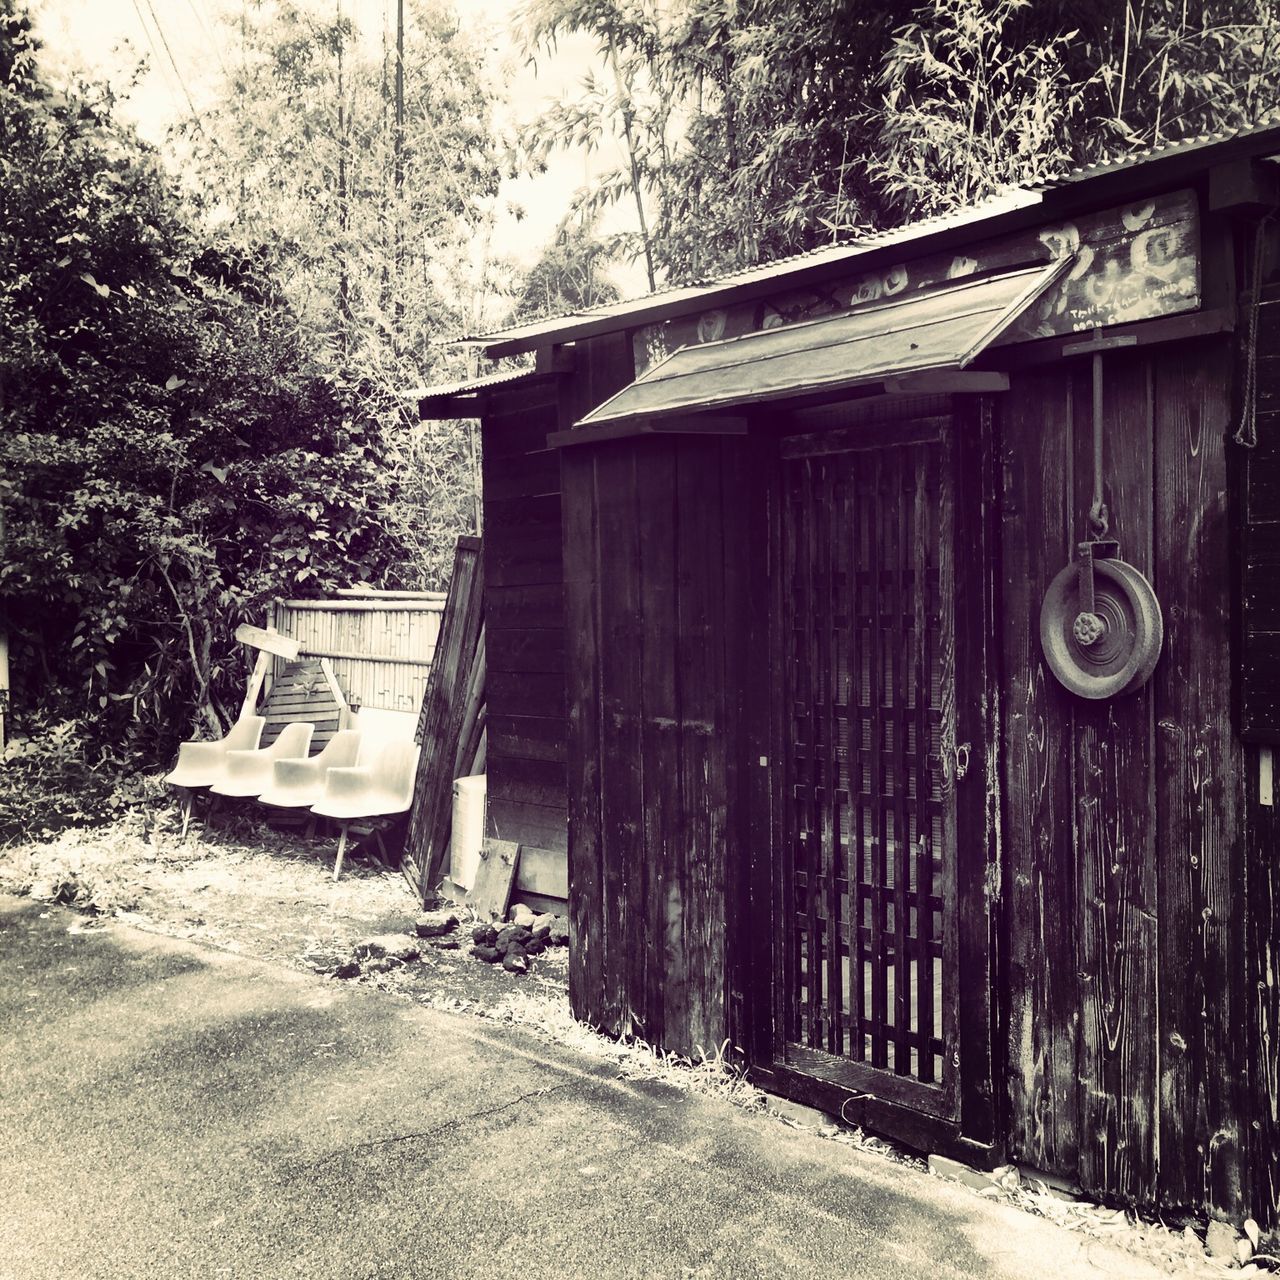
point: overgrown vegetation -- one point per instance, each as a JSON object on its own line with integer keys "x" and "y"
{"x": 748, "y": 129}
{"x": 178, "y": 449}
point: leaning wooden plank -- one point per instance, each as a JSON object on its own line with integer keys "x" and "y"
{"x": 474, "y": 705}
{"x": 267, "y": 641}
{"x": 444, "y": 706}
{"x": 491, "y": 893}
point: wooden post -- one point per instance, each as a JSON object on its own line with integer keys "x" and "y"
{"x": 267, "y": 642}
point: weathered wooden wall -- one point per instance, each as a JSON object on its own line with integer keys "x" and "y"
{"x": 1124, "y": 894}
{"x": 524, "y": 610}
{"x": 1259, "y": 502}
{"x": 524, "y": 623}
{"x": 654, "y": 529}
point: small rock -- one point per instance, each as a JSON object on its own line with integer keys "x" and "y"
{"x": 445, "y": 944}
{"x": 322, "y": 961}
{"x": 1220, "y": 1241}
{"x": 399, "y": 946}
{"x": 545, "y": 920}
{"x": 541, "y": 932}
{"x": 535, "y": 946}
{"x": 383, "y": 964}
{"x": 520, "y": 914}
{"x": 347, "y": 969}
{"x": 945, "y": 1167}
{"x": 490, "y": 955}
{"x": 484, "y": 934}
{"x": 513, "y": 933}
{"x": 515, "y": 961}
{"x": 434, "y": 923}
{"x": 1191, "y": 1239}
{"x": 559, "y": 932}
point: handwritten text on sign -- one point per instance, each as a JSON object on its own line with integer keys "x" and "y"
{"x": 1132, "y": 263}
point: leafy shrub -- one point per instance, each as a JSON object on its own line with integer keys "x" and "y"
{"x": 53, "y": 779}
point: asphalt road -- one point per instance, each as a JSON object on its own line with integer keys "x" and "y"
{"x": 172, "y": 1111}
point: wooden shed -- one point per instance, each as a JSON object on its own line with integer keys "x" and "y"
{"x": 766, "y": 571}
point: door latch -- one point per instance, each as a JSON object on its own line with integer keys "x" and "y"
{"x": 961, "y": 760}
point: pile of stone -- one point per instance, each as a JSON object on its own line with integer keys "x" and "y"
{"x": 511, "y": 945}
{"x": 388, "y": 951}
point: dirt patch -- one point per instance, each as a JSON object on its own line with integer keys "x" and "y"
{"x": 246, "y": 888}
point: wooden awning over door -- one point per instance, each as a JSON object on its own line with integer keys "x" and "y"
{"x": 892, "y": 342}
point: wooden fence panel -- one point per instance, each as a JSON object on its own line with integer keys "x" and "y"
{"x": 380, "y": 643}
{"x": 450, "y": 723}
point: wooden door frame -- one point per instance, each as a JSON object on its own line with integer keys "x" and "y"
{"x": 975, "y": 1135}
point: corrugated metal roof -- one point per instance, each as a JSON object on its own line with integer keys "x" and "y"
{"x": 1183, "y": 146}
{"x": 944, "y": 328}
{"x": 846, "y": 251}
{"x": 446, "y": 389}
{"x": 664, "y": 302}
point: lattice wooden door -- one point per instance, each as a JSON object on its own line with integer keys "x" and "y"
{"x": 865, "y": 996}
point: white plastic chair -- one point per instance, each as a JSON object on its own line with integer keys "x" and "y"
{"x": 249, "y": 773}
{"x": 380, "y": 789}
{"x": 298, "y": 784}
{"x": 201, "y": 764}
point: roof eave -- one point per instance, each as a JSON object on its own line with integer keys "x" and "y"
{"x": 1067, "y": 196}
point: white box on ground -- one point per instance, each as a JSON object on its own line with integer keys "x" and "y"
{"x": 468, "y": 830}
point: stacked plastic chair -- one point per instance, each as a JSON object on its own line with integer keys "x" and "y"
{"x": 298, "y": 784}
{"x": 201, "y": 764}
{"x": 249, "y": 773}
{"x": 380, "y": 789}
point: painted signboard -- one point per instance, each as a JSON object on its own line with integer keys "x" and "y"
{"x": 1132, "y": 263}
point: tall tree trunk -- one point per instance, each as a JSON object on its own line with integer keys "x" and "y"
{"x": 397, "y": 255}
{"x": 344, "y": 211}
{"x": 637, "y": 187}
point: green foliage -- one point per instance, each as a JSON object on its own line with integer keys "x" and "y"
{"x": 569, "y": 276}
{"x": 53, "y": 778}
{"x": 172, "y": 455}
{"x": 368, "y": 229}
{"x": 742, "y": 124}
{"x": 750, "y": 129}
{"x": 1153, "y": 71}
{"x": 968, "y": 110}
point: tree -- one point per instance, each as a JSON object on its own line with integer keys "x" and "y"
{"x": 172, "y": 456}
{"x": 980, "y": 95}
{"x": 744, "y": 122}
{"x": 367, "y": 198}
{"x": 759, "y": 128}
{"x": 569, "y": 276}
{"x": 968, "y": 110}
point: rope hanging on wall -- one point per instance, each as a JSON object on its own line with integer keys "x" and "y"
{"x": 1246, "y": 434}
{"x": 1100, "y": 624}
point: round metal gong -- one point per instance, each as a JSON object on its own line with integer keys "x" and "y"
{"x": 1126, "y": 630}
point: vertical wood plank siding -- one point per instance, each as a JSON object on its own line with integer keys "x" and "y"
{"x": 524, "y": 622}
{"x": 442, "y": 719}
{"x": 653, "y": 732}
{"x": 1137, "y": 896}
{"x": 1124, "y": 901}
{"x": 1258, "y": 481}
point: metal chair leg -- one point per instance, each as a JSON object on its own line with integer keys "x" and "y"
{"x": 188, "y": 798}
{"x": 342, "y": 848}
{"x": 210, "y": 811}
